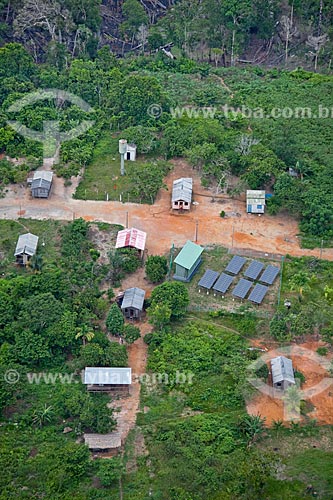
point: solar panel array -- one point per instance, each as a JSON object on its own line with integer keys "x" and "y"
{"x": 223, "y": 283}
{"x": 242, "y": 288}
{"x": 235, "y": 265}
{"x": 254, "y": 270}
{"x": 208, "y": 279}
{"x": 212, "y": 280}
{"x": 258, "y": 293}
{"x": 269, "y": 275}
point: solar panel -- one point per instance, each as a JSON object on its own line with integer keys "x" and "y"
{"x": 235, "y": 265}
{"x": 269, "y": 275}
{"x": 258, "y": 293}
{"x": 208, "y": 279}
{"x": 223, "y": 283}
{"x": 242, "y": 288}
{"x": 254, "y": 269}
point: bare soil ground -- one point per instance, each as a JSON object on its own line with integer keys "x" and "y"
{"x": 272, "y": 409}
{"x": 126, "y": 408}
{"x": 276, "y": 234}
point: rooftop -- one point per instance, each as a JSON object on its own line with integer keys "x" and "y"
{"x": 133, "y": 297}
{"x": 131, "y": 238}
{"x": 282, "y": 369}
{"x": 107, "y": 376}
{"x": 182, "y": 189}
{"x": 188, "y": 255}
{"x": 103, "y": 441}
{"x": 26, "y": 243}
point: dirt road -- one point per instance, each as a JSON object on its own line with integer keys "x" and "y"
{"x": 276, "y": 234}
{"x": 125, "y": 409}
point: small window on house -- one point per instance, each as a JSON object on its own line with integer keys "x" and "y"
{"x": 279, "y": 384}
{"x": 185, "y": 203}
{"x": 176, "y": 202}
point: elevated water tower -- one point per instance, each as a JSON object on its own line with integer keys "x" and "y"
{"x": 122, "y": 152}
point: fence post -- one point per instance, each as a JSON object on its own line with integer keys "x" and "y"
{"x": 281, "y": 271}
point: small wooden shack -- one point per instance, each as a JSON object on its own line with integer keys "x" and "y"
{"x": 282, "y": 373}
{"x": 182, "y": 194}
{"x": 26, "y": 247}
{"x": 104, "y": 443}
{"x": 41, "y": 184}
{"x": 188, "y": 261}
{"x": 132, "y": 238}
{"x": 105, "y": 379}
{"x": 255, "y": 201}
{"x": 131, "y": 152}
{"x": 132, "y": 303}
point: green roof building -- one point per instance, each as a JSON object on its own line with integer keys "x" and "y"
{"x": 188, "y": 261}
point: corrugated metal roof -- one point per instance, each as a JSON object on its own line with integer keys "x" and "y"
{"x": 27, "y": 243}
{"x": 133, "y": 297}
{"x": 42, "y": 179}
{"x": 188, "y": 255}
{"x": 106, "y": 376}
{"x": 282, "y": 369}
{"x": 255, "y": 196}
{"x": 46, "y": 175}
{"x": 182, "y": 189}
{"x": 131, "y": 238}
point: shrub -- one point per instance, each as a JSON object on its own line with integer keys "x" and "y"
{"x": 222, "y": 213}
{"x": 322, "y": 351}
{"x": 156, "y": 268}
{"x": 110, "y": 471}
{"x": 263, "y": 372}
{"x": 131, "y": 333}
{"x": 115, "y": 320}
{"x": 299, "y": 375}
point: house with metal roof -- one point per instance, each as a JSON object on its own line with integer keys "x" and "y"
{"x": 41, "y": 184}
{"x": 131, "y": 238}
{"x": 182, "y": 193}
{"x": 255, "y": 201}
{"x": 132, "y": 303}
{"x": 107, "y": 378}
{"x": 282, "y": 373}
{"x": 26, "y": 247}
{"x": 187, "y": 261}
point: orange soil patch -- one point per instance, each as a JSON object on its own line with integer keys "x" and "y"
{"x": 272, "y": 409}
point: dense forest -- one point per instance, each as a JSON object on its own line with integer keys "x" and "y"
{"x": 203, "y": 81}
{"x": 254, "y": 31}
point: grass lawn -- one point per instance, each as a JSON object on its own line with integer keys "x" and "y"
{"x": 48, "y": 232}
{"x": 102, "y": 177}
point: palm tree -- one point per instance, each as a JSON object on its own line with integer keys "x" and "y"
{"x": 36, "y": 262}
{"x": 252, "y": 426}
{"x": 43, "y": 416}
{"x": 85, "y": 334}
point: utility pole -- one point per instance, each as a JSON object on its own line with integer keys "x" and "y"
{"x": 126, "y": 220}
{"x": 232, "y": 236}
{"x": 196, "y": 230}
{"x": 321, "y": 248}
